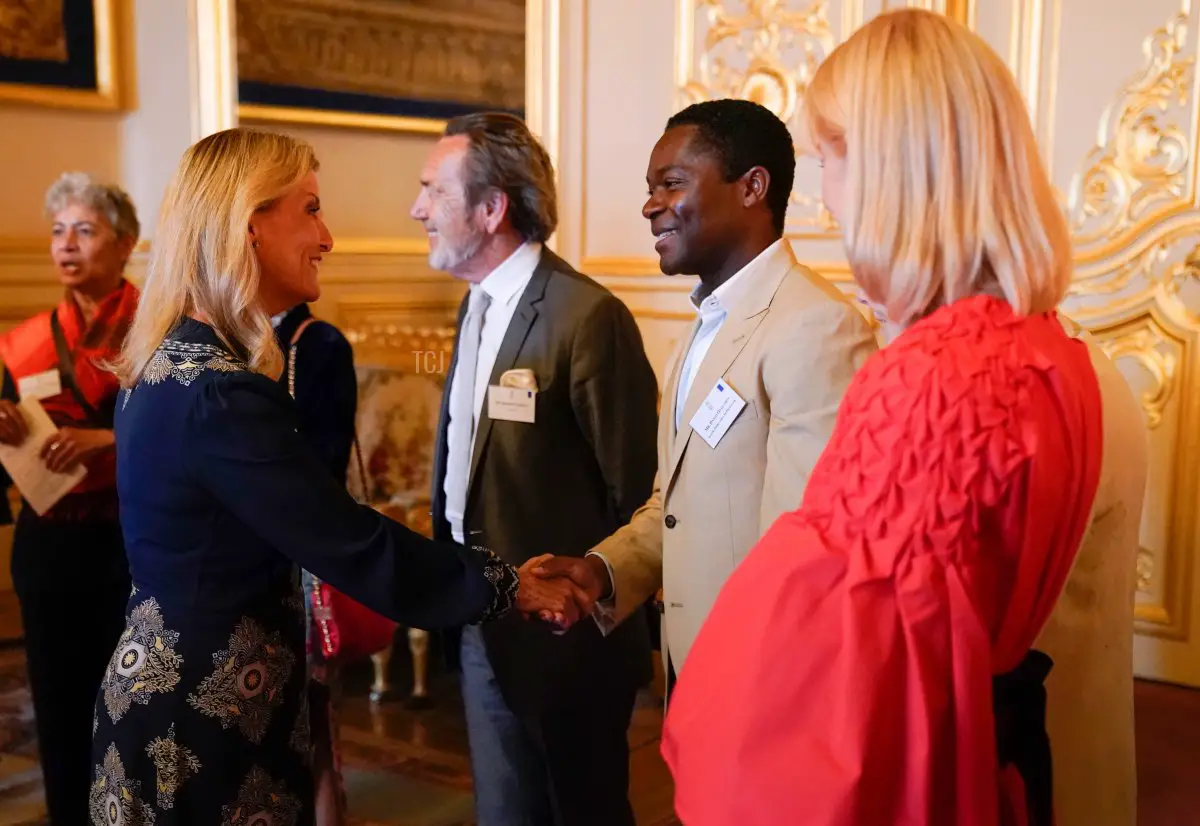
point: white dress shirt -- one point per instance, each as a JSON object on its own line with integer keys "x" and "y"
{"x": 713, "y": 310}
{"x": 504, "y": 286}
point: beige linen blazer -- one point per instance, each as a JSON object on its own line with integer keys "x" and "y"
{"x": 789, "y": 346}
{"x": 1089, "y": 635}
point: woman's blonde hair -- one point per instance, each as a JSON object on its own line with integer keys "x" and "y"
{"x": 946, "y": 195}
{"x": 201, "y": 262}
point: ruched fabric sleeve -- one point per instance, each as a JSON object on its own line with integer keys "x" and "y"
{"x": 245, "y": 451}
{"x": 845, "y": 674}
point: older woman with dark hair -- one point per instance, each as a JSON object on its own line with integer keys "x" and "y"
{"x": 68, "y": 564}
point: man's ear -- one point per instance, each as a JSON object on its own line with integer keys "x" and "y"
{"x": 755, "y": 184}
{"x": 495, "y": 209}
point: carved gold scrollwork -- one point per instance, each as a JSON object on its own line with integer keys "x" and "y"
{"x": 1138, "y": 166}
{"x": 1145, "y": 570}
{"x": 765, "y": 52}
{"x": 1147, "y": 347}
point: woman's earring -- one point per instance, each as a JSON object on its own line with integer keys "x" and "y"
{"x": 254, "y": 244}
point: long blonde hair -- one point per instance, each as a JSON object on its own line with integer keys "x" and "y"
{"x": 946, "y": 193}
{"x": 201, "y": 262}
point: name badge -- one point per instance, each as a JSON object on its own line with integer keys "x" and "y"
{"x": 717, "y": 413}
{"x": 40, "y": 386}
{"x": 511, "y": 404}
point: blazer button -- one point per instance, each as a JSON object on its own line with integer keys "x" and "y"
{"x": 670, "y": 520}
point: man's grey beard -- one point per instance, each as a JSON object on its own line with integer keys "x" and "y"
{"x": 446, "y": 258}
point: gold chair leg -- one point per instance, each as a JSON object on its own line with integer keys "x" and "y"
{"x": 382, "y": 690}
{"x": 418, "y": 646}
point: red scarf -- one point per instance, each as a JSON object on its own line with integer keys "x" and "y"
{"x": 28, "y": 349}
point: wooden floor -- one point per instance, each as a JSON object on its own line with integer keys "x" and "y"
{"x": 410, "y": 768}
{"x": 402, "y": 767}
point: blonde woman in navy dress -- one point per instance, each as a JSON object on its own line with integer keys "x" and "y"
{"x": 201, "y": 716}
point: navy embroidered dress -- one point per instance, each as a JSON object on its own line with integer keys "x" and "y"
{"x": 201, "y": 716}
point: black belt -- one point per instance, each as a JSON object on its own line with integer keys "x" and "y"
{"x": 1019, "y": 705}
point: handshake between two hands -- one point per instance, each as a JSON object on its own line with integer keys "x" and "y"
{"x": 561, "y": 589}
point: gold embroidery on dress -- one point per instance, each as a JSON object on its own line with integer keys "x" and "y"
{"x": 144, "y": 663}
{"x": 116, "y": 799}
{"x": 184, "y": 362}
{"x": 175, "y": 764}
{"x": 248, "y": 683}
{"x": 261, "y": 801}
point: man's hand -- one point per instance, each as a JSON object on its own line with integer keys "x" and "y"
{"x": 71, "y": 446}
{"x": 13, "y": 427}
{"x": 589, "y": 573}
{"x": 559, "y": 601}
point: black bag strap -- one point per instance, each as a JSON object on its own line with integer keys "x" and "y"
{"x": 66, "y": 372}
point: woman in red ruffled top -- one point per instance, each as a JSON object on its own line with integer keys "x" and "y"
{"x": 869, "y": 663}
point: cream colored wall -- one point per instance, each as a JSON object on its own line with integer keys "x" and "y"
{"x": 1111, "y": 88}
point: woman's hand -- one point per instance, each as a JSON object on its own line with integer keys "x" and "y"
{"x": 13, "y": 427}
{"x": 70, "y": 447}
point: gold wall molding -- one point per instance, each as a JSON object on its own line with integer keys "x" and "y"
{"x": 762, "y": 51}
{"x": 543, "y": 75}
{"x": 1163, "y": 347}
{"x": 114, "y": 67}
{"x": 366, "y": 245}
{"x": 964, "y": 11}
{"x": 620, "y": 265}
{"x": 1035, "y": 37}
{"x": 1145, "y": 570}
{"x": 25, "y": 245}
{"x": 215, "y": 56}
{"x": 382, "y": 328}
{"x": 1134, "y": 224}
{"x": 256, "y": 113}
{"x": 1140, "y": 171}
{"x": 1149, "y": 350}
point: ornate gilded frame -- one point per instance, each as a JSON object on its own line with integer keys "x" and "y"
{"x": 110, "y": 89}
{"x": 287, "y": 109}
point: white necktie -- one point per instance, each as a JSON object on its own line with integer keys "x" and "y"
{"x": 460, "y": 433}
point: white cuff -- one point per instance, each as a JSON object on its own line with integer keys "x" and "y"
{"x": 604, "y": 610}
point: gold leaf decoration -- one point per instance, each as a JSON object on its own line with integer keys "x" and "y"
{"x": 767, "y": 52}
{"x": 1149, "y": 349}
{"x": 1137, "y": 169}
{"x": 1145, "y": 570}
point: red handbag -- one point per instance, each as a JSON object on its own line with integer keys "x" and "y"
{"x": 347, "y": 630}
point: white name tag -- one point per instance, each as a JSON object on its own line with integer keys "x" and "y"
{"x": 511, "y": 404}
{"x": 40, "y": 386}
{"x": 717, "y": 413}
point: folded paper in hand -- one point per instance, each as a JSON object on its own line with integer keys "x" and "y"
{"x": 40, "y": 486}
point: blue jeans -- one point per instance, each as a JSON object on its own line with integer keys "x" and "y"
{"x": 511, "y": 781}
